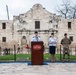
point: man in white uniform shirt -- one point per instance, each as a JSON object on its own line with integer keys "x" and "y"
{"x": 52, "y": 46}
{"x": 36, "y": 38}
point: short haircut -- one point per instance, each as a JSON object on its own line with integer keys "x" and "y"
{"x": 36, "y": 32}
{"x": 52, "y": 33}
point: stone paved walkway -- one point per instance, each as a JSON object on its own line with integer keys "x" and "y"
{"x": 50, "y": 69}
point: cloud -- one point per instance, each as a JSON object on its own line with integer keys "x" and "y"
{"x": 3, "y": 16}
{"x": 3, "y": 13}
{"x": 17, "y": 7}
{"x": 16, "y": 4}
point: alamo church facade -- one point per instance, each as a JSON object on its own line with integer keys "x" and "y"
{"x": 21, "y": 29}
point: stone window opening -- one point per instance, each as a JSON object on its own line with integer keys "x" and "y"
{"x": 3, "y": 25}
{"x": 71, "y": 38}
{"x": 3, "y": 39}
{"x": 69, "y": 25}
{"x": 37, "y": 24}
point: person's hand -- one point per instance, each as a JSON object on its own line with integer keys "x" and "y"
{"x": 53, "y": 43}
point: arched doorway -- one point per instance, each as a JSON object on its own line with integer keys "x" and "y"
{"x": 23, "y": 43}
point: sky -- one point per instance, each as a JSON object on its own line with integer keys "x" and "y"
{"x": 17, "y": 7}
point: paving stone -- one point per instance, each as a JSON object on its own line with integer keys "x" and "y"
{"x": 50, "y": 69}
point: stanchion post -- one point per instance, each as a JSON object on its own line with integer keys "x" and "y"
{"x": 75, "y": 50}
{"x": 60, "y": 53}
{"x": 14, "y": 53}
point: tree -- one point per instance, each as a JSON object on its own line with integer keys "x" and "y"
{"x": 67, "y": 9}
{"x": 72, "y": 13}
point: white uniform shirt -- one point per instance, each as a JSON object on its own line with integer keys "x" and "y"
{"x": 36, "y": 38}
{"x": 52, "y": 41}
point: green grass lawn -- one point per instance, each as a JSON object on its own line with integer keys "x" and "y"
{"x": 25, "y": 56}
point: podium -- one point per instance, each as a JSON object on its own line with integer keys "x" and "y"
{"x": 37, "y": 53}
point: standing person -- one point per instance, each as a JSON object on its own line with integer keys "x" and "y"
{"x": 52, "y": 46}
{"x": 66, "y": 42}
{"x": 27, "y": 48}
{"x": 18, "y": 49}
{"x": 0, "y": 50}
{"x": 36, "y": 38}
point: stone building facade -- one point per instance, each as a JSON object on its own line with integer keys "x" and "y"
{"x": 21, "y": 29}
{"x": 6, "y": 33}
{"x": 36, "y": 19}
{"x": 67, "y": 26}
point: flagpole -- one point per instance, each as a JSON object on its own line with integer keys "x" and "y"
{"x": 7, "y": 12}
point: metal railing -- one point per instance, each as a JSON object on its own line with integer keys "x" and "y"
{"x": 13, "y": 51}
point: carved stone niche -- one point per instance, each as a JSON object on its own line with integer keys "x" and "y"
{"x": 46, "y": 31}
{"x": 22, "y": 21}
{"x": 23, "y": 41}
{"x": 37, "y": 6}
{"x": 15, "y": 18}
{"x": 50, "y": 21}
